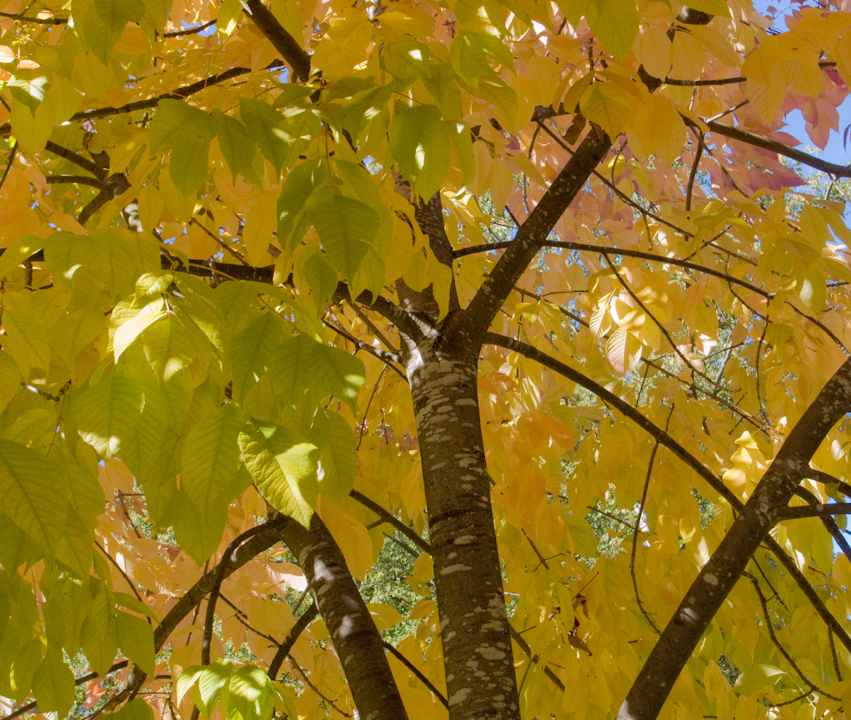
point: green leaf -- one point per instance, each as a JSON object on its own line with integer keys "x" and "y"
{"x": 210, "y": 682}
{"x": 136, "y": 640}
{"x": 131, "y": 602}
{"x": 136, "y": 709}
{"x": 250, "y": 351}
{"x": 291, "y": 369}
{"x": 34, "y": 492}
{"x": 608, "y": 105}
{"x": 97, "y": 34}
{"x": 10, "y": 379}
{"x": 115, "y": 14}
{"x": 346, "y": 228}
{"x": 283, "y": 466}
{"x": 211, "y": 457}
{"x": 406, "y": 59}
{"x": 99, "y": 635}
{"x": 615, "y": 23}
{"x": 250, "y": 694}
{"x": 178, "y": 124}
{"x": 338, "y": 455}
{"x": 338, "y": 373}
{"x": 300, "y": 184}
{"x": 168, "y": 347}
{"x": 319, "y": 277}
{"x": 187, "y": 132}
{"x": 108, "y": 413}
{"x": 264, "y": 124}
{"x": 53, "y": 684}
{"x": 236, "y": 145}
{"x": 420, "y": 144}
{"x": 27, "y": 661}
{"x": 121, "y": 256}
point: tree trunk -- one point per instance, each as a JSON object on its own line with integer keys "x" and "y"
{"x": 473, "y": 621}
{"x": 355, "y": 637}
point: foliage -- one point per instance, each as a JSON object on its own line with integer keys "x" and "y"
{"x": 545, "y": 283}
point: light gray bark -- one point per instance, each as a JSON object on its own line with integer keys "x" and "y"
{"x": 356, "y": 639}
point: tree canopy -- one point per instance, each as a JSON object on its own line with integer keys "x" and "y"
{"x": 459, "y": 359}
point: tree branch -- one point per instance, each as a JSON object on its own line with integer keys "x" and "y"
{"x": 422, "y": 678}
{"x": 715, "y": 580}
{"x": 176, "y": 94}
{"x": 191, "y": 31}
{"x": 532, "y": 235}
{"x": 750, "y": 138}
{"x": 821, "y": 510}
{"x": 284, "y": 43}
{"x": 286, "y": 646}
{"x": 667, "y": 441}
{"x": 356, "y": 639}
{"x": 75, "y": 179}
{"x": 391, "y": 519}
{"x": 69, "y": 155}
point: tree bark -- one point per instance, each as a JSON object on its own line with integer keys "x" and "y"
{"x": 474, "y": 625}
{"x": 355, "y": 637}
{"x": 763, "y": 509}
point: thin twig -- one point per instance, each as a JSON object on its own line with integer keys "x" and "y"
{"x": 287, "y": 645}
{"x": 422, "y": 678}
{"x": 12, "y": 153}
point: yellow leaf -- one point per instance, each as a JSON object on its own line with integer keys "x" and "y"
{"x": 610, "y": 106}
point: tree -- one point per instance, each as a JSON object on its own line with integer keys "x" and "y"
{"x": 282, "y": 281}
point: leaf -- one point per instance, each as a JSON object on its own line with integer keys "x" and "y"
{"x": 283, "y": 466}
{"x": 136, "y": 640}
{"x": 108, "y": 413}
{"x": 99, "y": 635}
{"x": 623, "y": 349}
{"x": 250, "y": 351}
{"x": 339, "y": 373}
{"x": 21, "y": 249}
{"x": 115, "y": 14}
{"x": 608, "y": 105}
{"x": 136, "y": 709}
{"x": 338, "y": 455}
{"x": 187, "y": 132}
{"x": 420, "y": 144}
{"x": 346, "y": 228}
{"x": 211, "y": 457}
{"x": 211, "y": 680}
{"x": 34, "y": 492}
{"x": 264, "y": 125}
{"x": 615, "y": 23}
{"x": 236, "y": 145}
{"x": 53, "y": 684}
{"x": 250, "y": 694}
{"x": 300, "y": 184}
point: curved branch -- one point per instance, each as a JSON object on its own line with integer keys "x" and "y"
{"x": 191, "y": 31}
{"x": 71, "y": 156}
{"x": 35, "y": 20}
{"x": 75, "y": 179}
{"x": 176, "y": 94}
{"x": 391, "y": 519}
{"x": 667, "y": 441}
